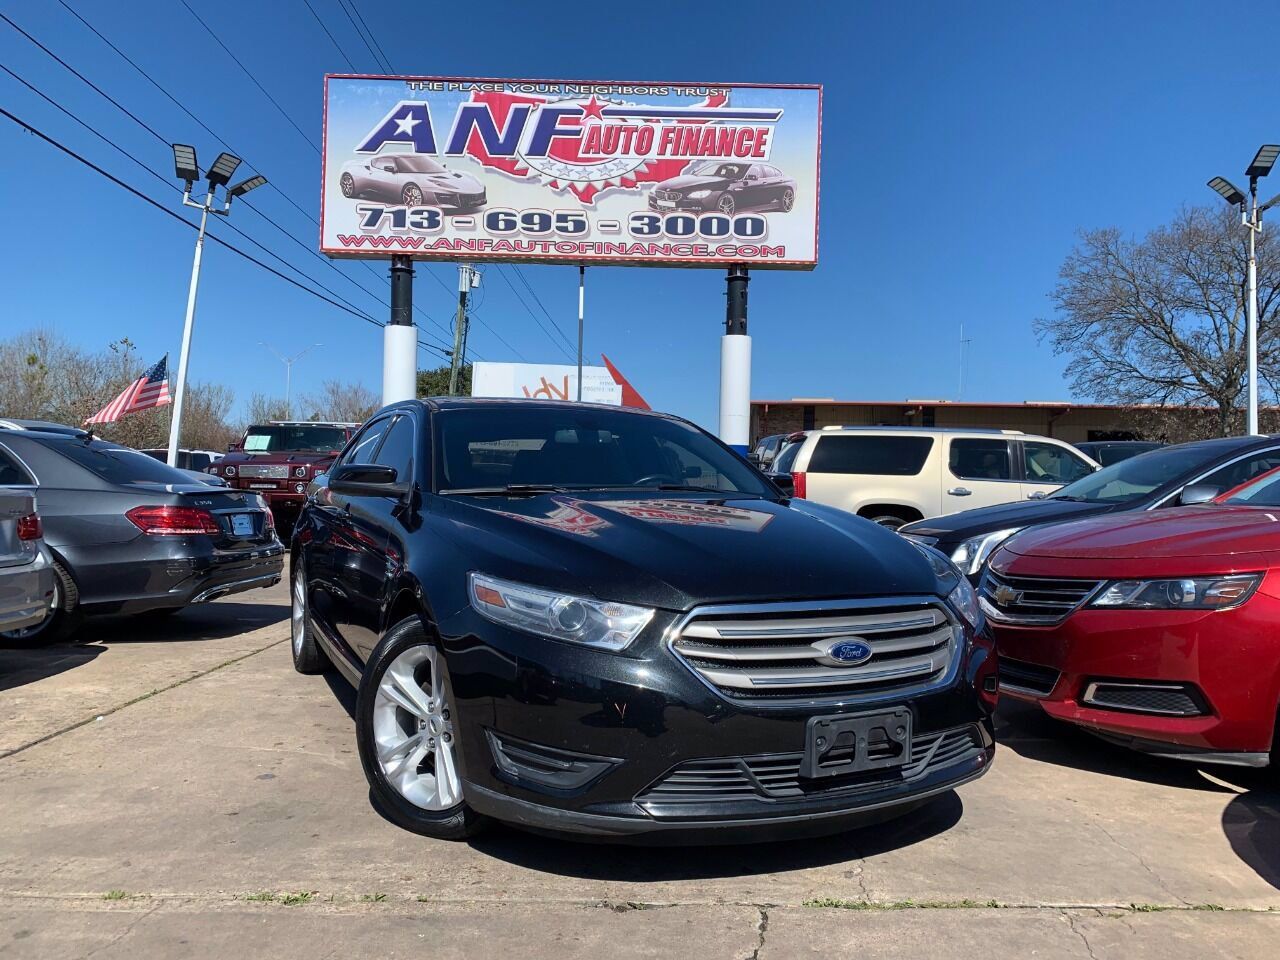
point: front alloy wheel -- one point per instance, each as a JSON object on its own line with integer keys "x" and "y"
{"x": 411, "y": 196}
{"x": 407, "y": 734}
{"x": 348, "y": 185}
{"x": 307, "y": 655}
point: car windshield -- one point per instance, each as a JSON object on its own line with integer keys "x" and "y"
{"x": 490, "y": 448}
{"x": 1263, "y": 492}
{"x": 1137, "y": 476}
{"x": 418, "y": 165}
{"x": 731, "y": 171}
{"x": 117, "y": 464}
{"x": 306, "y": 437}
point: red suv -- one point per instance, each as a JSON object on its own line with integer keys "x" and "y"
{"x": 280, "y": 458}
{"x": 1156, "y": 630}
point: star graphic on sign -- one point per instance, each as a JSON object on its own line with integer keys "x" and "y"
{"x": 406, "y": 124}
{"x": 593, "y": 108}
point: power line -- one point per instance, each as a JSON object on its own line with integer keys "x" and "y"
{"x": 383, "y": 64}
{"x": 325, "y": 260}
{"x": 536, "y": 318}
{"x": 185, "y": 222}
{"x": 218, "y": 41}
{"x": 331, "y": 37}
{"x": 528, "y": 286}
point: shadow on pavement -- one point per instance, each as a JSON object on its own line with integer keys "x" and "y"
{"x": 1028, "y": 731}
{"x": 206, "y": 621}
{"x": 1251, "y": 821}
{"x": 22, "y": 665}
{"x": 599, "y": 861}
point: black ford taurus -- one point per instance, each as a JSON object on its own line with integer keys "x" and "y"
{"x": 585, "y": 619}
{"x": 727, "y": 188}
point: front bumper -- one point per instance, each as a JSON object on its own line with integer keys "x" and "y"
{"x": 600, "y": 738}
{"x": 1222, "y": 669}
{"x": 683, "y": 204}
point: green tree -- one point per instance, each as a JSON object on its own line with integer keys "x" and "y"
{"x": 435, "y": 383}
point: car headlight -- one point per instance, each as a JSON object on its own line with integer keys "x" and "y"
{"x": 230, "y": 471}
{"x": 953, "y": 585}
{"x": 299, "y": 471}
{"x": 699, "y": 194}
{"x": 1186, "y": 593}
{"x": 974, "y": 552}
{"x": 595, "y": 623}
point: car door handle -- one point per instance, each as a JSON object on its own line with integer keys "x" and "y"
{"x": 960, "y": 491}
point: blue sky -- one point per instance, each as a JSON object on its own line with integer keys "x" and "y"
{"x": 963, "y": 147}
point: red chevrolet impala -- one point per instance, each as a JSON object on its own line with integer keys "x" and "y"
{"x": 1159, "y": 630}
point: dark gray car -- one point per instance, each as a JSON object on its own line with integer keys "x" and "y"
{"x": 131, "y": 535}
{"x": 26, "y": 568}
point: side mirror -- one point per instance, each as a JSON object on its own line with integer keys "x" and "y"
{"x": 754, "y": 459}
{"x": 1198, "y": 493}
{"x": 784, "y": 482}
{"x": 1038, "y": 495}
{"x": 366, "y": 480}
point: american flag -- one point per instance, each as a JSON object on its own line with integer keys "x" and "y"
{"x": 149, "y": 390}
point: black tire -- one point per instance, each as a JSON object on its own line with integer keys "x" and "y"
{"x": 889, "y": 520}
{"x": 787, "y": 200}
{"x": 308, "y": 658}
{"x": 64, "y": 619}
{"x": 407, "y": 198}
{"x": 726, "y": 205}
{"x": 348, "y": 184}
{"x": 455, "y": 823}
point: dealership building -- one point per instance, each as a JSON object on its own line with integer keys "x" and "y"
{"x": 1072, "y": 422}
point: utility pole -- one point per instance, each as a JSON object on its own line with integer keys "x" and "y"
{"x": 735, "y": 363}
{"x": 964, "y": 349}
{"x": 466, "y": 279}
{"x": 582, "y": 279}
{"x": 288, "y": 372}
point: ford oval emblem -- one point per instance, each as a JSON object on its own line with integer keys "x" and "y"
{"x": 850, "y": 651}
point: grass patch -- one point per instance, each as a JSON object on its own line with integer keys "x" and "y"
{"x": 293, "y": 899}
{"x": 266, "y": 896}
{"x": 836, "y": 903}
{"x": 373, "y": 898}
{"x": 117, "y": 895}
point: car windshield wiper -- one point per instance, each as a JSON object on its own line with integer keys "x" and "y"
{"x": 510, "y": 490}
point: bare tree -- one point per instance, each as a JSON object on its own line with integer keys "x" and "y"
{"x": 264, "y": 409}
{"x": 341, "y": 402}
{"x": 1162, "y": 320}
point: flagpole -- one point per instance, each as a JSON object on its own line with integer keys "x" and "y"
{"x": 180, "y": 392}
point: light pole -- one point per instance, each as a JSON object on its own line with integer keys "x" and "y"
{"x": 288, "y": 372}
{"x": 187, "y": 170}
{"x": 1251, "y": 217}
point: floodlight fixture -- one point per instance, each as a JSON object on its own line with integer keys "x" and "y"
{"x": 1227, "y": 190}
{"x": 244, "y": 186}
{"x": 222, "y": 169}
{"x": 184, "y": 163}
{"x": 1263, "y": 161}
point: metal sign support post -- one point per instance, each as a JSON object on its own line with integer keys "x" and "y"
{"x": 400, "y": 337}
{"x": 582, "y": 279}
{"x": 460, "y": 327}
{"x": 735, "y": 364}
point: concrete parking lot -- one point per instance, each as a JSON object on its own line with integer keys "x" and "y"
{"x": 171, "y": 788}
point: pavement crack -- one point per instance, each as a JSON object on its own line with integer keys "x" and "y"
{"x": 1071, "y": 922}
{"x": 1143, "y": 862}
{"x": 125, "y": 932}
{"x": 98, "y": 714}
{"x": 762, "y": 928}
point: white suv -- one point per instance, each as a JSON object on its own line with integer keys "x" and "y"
{"x": 894, "y": 475}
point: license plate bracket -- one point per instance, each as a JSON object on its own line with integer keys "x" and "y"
{"x": 242, "y": 525}
{"x": 839, "y": 745}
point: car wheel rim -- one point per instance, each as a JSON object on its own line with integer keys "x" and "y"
{"x": 299, "y": 613}
{"x": 25, "y": 633}
{"x": 412, "y": 196}
{"x": 726, "y": 205}
{"x": 413, "y": 731}
{"x": 348, "y": 186}
{"x": 788, "y": 200}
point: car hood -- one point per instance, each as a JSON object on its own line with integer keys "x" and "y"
{"x": 1179, "y": 532}
{"x": 691, "y": 180}
{"x": 452, "y": 180}
{"x": 674, "y": 551}
{"x": 1021, "y": 513}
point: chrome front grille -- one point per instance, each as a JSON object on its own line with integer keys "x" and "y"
{"x": 788, "y": 651}
{"x": 266, "y": 471}
{"x": 666, "y": 195}
{"x": 1035, "y": 601}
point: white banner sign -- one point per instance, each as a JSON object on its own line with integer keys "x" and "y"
{"x": 544, "y": 381}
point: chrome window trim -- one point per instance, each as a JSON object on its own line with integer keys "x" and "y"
{"x": 833, "y": 702}
{"x": 25, "y": 466}
{"x": 1275, "y": 448}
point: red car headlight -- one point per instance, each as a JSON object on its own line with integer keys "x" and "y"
{"x": 1185, "y": 593}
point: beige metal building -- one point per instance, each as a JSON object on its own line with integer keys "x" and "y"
{"x": 1072, "y": 422}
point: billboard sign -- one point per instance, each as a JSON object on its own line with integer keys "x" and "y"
{"x": 443, "y": 168}
{"x": 544, "y": 381}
